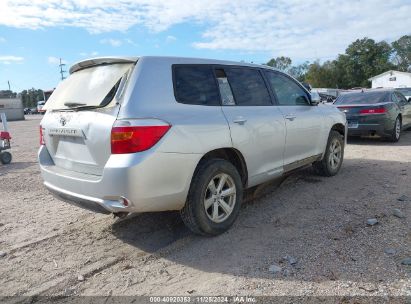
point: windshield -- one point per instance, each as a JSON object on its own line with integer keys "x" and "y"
{"x": 362, "y": 98}
{"x": 88, "y": 87}
{"x": 405, "y": 91}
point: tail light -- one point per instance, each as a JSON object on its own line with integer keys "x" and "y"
{"x": 5, "y": 135}
{"x": 42, "y": 143}
{"x": 373, "y": 111}
{"x": 131, "y": 139}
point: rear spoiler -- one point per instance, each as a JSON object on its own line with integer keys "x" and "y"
{"x": 98, "y": 61}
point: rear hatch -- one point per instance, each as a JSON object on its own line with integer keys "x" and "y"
{"x": 362, "y": 114}
{"x": 81, "y": 112}
{"x": 363, "y": 107}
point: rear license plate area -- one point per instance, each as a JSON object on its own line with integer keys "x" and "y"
{"x": 352, "y": 124}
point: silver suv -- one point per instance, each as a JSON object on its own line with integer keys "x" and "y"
{"x": 147, "y": 134}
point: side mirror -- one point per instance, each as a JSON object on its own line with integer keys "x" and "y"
{"x": 315, "y": 98}
{"x": 409, "y": 99}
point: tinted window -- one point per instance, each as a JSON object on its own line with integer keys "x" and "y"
{"x": 400, "y": 97}
{"x": 362, "y": 97}
{"x": 288, "y": 92}
{"x": 227, "y": 98}
{"x": 405, "y": 91}
{"x": 195, "y": 85}
{"x": 248, "y": 87}
{"x": 394, "y": 98}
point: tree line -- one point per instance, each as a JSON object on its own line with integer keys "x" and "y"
{"x": 363, "y": 59}
{"x": 31, "y": 97}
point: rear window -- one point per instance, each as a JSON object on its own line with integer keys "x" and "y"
{"x": 405, "y": 91}
{"x": 94, "y": 86}
{"x": 248, "y": 87}
{"x": 195, "y": 85}
{"x": 362, "y": 98}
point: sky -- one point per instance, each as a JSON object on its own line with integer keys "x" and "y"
{"x": 35, "y": 34}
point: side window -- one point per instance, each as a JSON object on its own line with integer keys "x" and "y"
{"x": 195, "y": 85}
{"x": 288, "y": 92}
{"x": 226, "y": 93}
{"x": 248, "y": 87}
{"x": 401, "y": 97}
{"x": 394, "y": 98}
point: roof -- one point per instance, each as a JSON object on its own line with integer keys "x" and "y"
{"x": 99, "y": 60}
{"x": 379, "y": 90}
{"x": 390, "y": 71}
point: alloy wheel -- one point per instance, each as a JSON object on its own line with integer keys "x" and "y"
{"x": 220, "y": 197}
{"x": 397, "y": 128}
{"x": 334, "y": 157}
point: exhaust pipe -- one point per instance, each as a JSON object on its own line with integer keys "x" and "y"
{"x": 120, "y": 215}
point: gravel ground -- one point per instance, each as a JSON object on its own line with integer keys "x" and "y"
{"x": 310, "y": 231}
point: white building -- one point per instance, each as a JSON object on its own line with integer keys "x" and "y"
{"x": 391, "y": 79}
{"x": 13, "y": 107}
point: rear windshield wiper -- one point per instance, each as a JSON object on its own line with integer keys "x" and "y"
{"x": 78, "y": 108}
{"x": 74, "y": 104}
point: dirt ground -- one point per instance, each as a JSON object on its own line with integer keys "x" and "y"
{"x": 320, "y": 222}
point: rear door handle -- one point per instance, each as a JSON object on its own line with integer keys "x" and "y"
{"x": 240, "y": 120}
{"x": 290, "y": 117}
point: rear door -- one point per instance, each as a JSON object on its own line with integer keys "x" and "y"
{"x": 304, "y": 122}
{"x": 79, "y": 141}
{"x": 78, "y": 138}
{"x": 257, "y": 127}
{"x": 367, "y": 109}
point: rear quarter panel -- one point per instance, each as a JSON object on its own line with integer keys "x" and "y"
{"x": 332, "y": 116}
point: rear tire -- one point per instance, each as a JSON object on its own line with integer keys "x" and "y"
{"x": 214, "y": 198}
{"x": 396, "y": 131}
{"x": 5, "y": 158}
{"x": 333, "y": 157}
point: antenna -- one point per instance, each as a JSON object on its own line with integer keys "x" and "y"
{"x": 61, "y": 65}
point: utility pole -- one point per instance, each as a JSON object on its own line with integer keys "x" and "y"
{"x": 61, "y": 65}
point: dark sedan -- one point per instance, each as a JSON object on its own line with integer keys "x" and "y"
{"x": 381, "y": 112}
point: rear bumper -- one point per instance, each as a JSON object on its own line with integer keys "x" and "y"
{"x": 149, "y": 181}
{"x": 368, "y": 130}
{"x": 85, "y": 202}
{"x": 380, "y": 125}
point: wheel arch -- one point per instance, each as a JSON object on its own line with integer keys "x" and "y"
{"x": 231, "y": 155}
{"x": 340, "y": 128}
